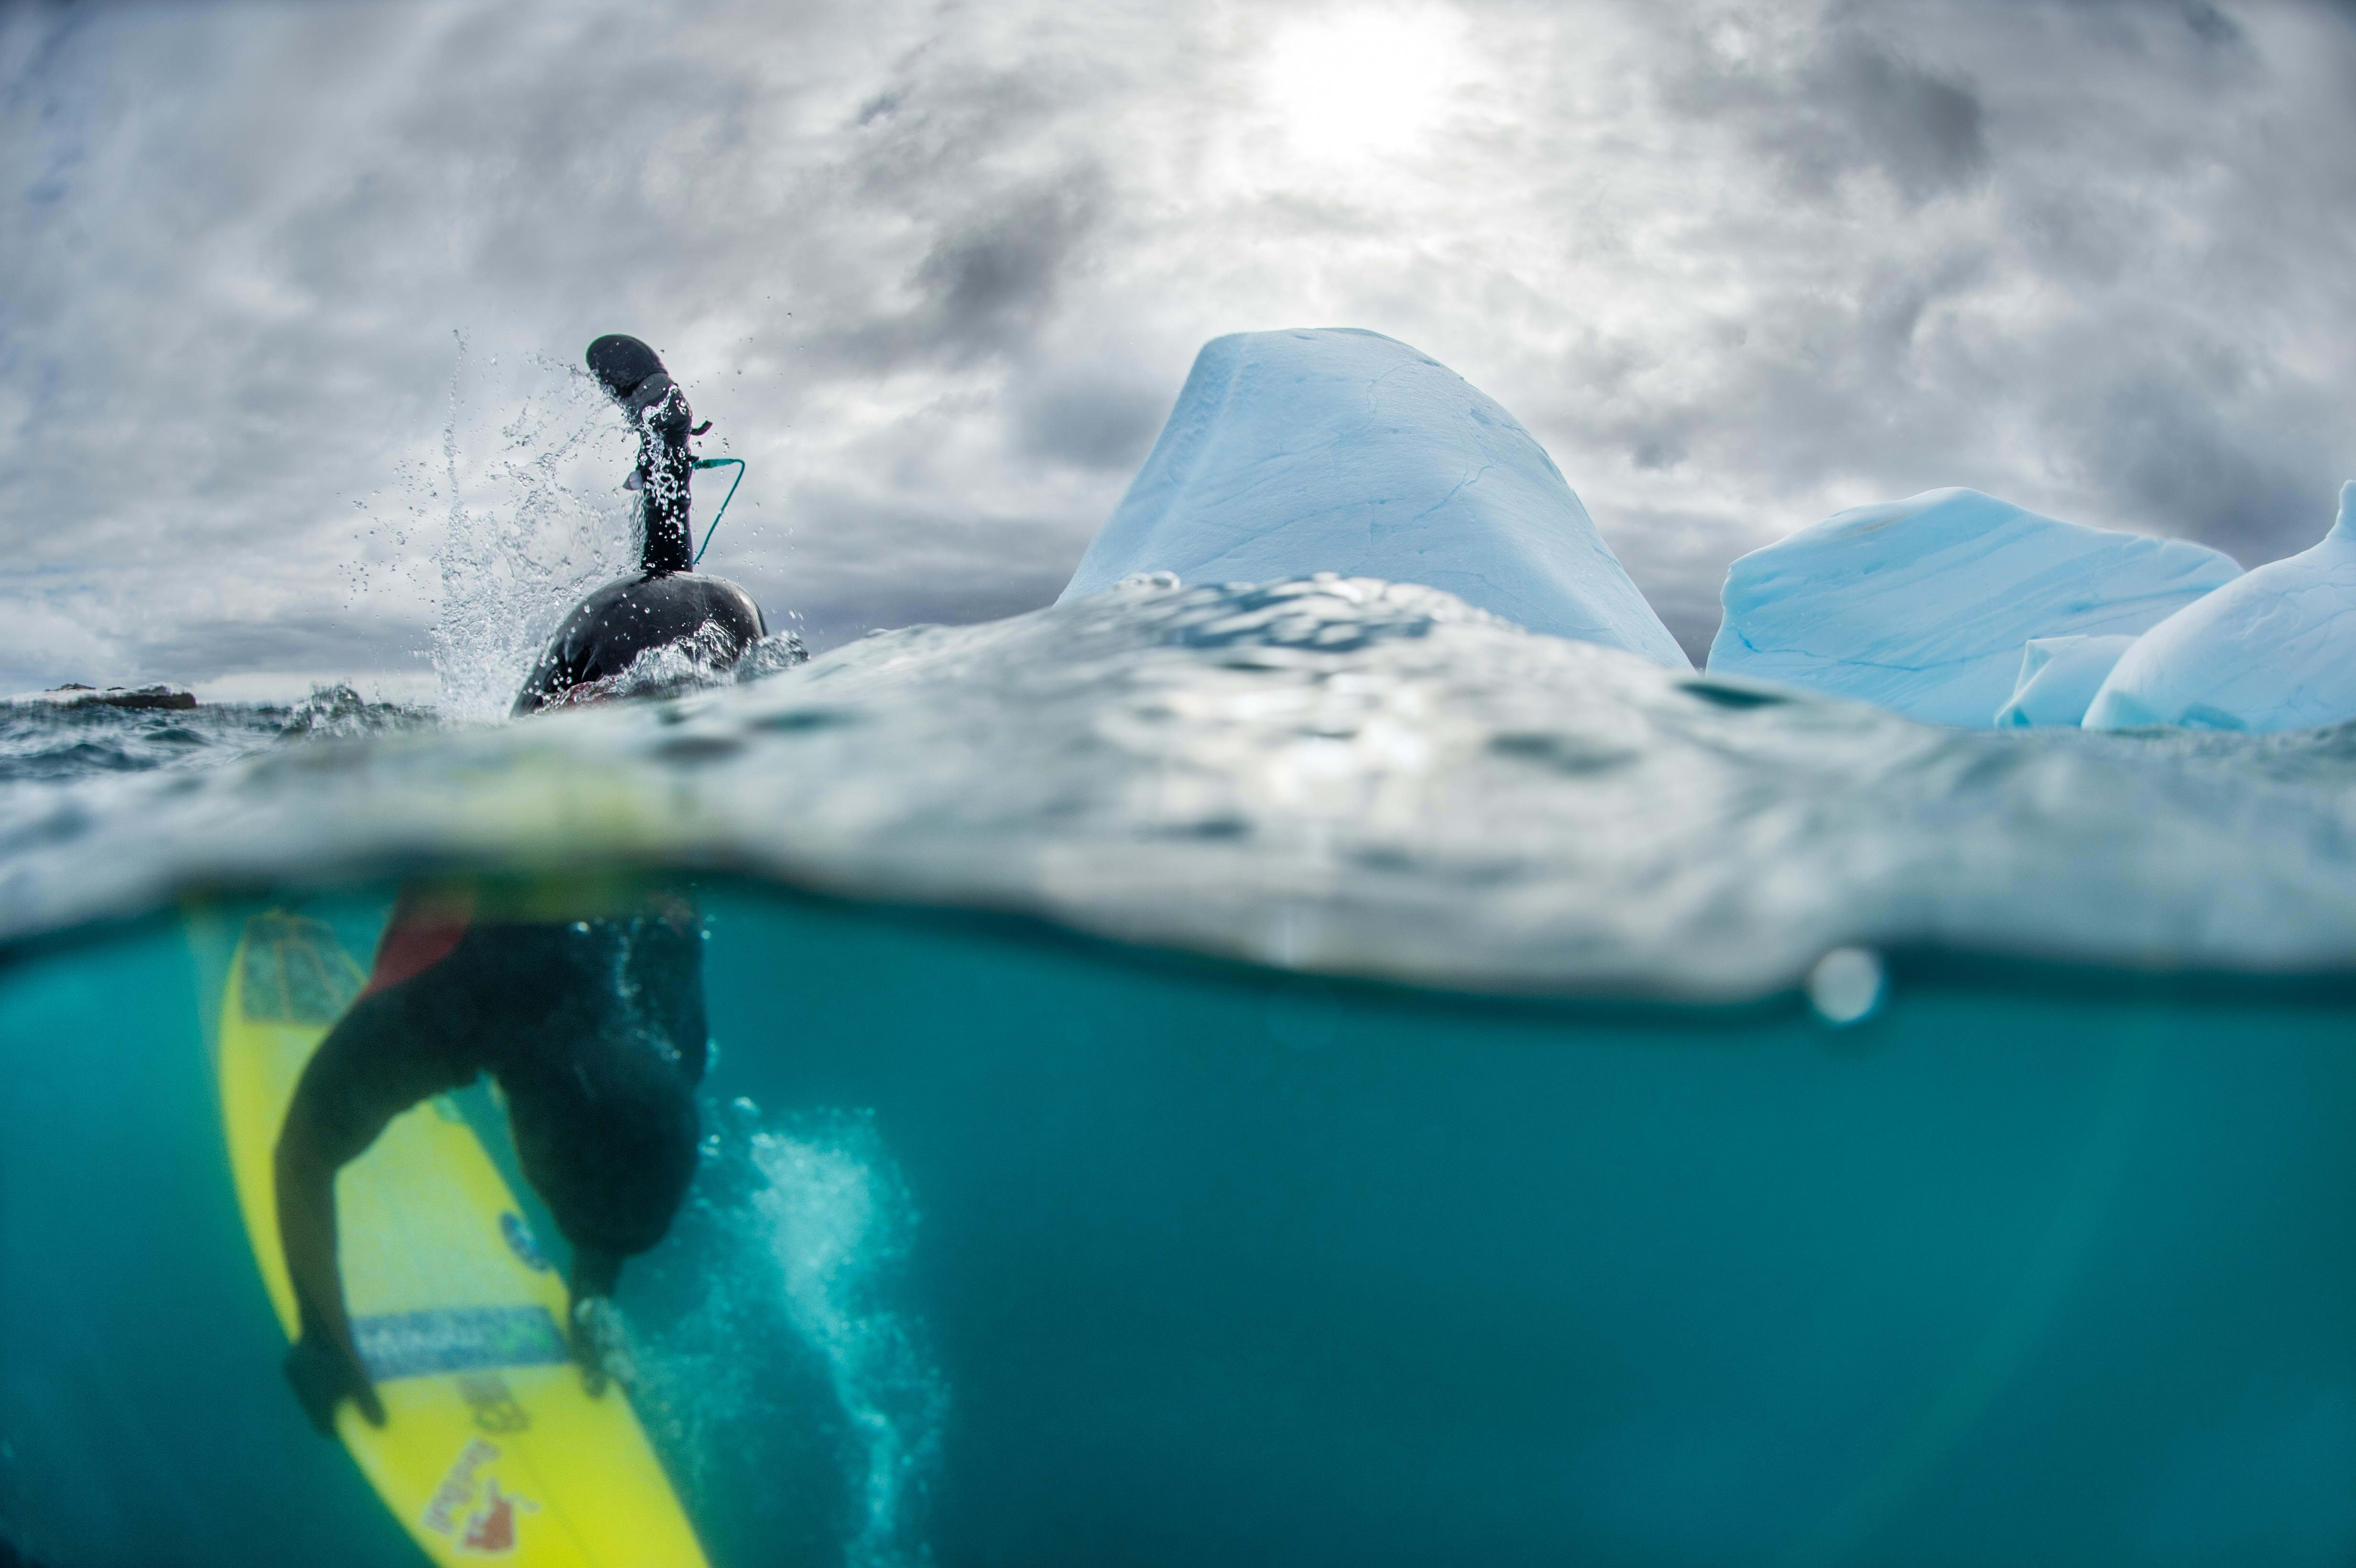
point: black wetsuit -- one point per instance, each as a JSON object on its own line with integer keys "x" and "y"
{"x": 668, "y": 603}
{"x": 608, "y": 631}
{"x": 594, "y": 1029}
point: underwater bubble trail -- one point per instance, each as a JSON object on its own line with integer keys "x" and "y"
{"x": 836, "y": 1218}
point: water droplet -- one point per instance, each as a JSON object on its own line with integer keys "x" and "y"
{"x": 1847, "y": 986}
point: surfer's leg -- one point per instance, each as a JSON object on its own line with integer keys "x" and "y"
{"x": 595, "y": 1270}
{"x": 595, "y": 1031}
{"x": 611, "y": 1148}
{"x": 665, "y": 970}
{"x": 601, "y": 1082}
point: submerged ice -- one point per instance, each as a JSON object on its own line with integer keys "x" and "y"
{"x": 1923, "y": 606}
{"x": 2275, "y": 650}
{"x": 1295, "y": 453}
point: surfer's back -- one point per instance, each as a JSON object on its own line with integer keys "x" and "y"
{"x": 614, "y": 628}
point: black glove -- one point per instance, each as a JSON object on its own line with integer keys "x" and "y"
{"x": 324, "y": 1374}
{"x": 599, "y": 1345}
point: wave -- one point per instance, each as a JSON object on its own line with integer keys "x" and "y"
{"x": 1331, "y": 774}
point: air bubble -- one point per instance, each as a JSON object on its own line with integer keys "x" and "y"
{"x": 1846, "y": 984}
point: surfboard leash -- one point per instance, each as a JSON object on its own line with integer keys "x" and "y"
{"x": 718, "y": 462}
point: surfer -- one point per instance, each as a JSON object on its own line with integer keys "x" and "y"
{"x": 668, "y": 604}
{"x": 590, "y": 1019}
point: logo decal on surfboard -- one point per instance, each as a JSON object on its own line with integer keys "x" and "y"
{"x": 489, "y": 1527}
{"x": 521, "y": 1242}
{"x": 494, "y": 1403}
{"x": 457, "y": 1488}
{"x": 492, "y": 1530}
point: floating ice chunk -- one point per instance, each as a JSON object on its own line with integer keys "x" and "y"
{"x": 1295, "y": 453}
{"x": 2274, "y": 651}
{"x": 2059, "y": 676}
{"x": 1922, "y": 605}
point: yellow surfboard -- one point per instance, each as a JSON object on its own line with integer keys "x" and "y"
{"x": 492, "y": 1450}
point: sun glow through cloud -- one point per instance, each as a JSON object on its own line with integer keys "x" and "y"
{"x": 1359, "y": 84}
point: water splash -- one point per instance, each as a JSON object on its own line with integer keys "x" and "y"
{"x": 709, "y": 658}
{"x": 337, "y": 711}
{"x": 528, "y": 529}
{"x": 837, "y": 1221}
{"x": 773, "y": 654}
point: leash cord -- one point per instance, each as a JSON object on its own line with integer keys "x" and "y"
{"x": 718, "y": 462}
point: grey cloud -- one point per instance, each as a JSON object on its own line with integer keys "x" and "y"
{"x": 1000, "y": 238}
{"x": 852, "y": 611}
{"x": 937, "y": 271}
{"x": 2210, "y": 24}
{"x": 1923, "y": 129}
{"x": 2166, "y": 439}
{"x": 1852, "y": 101}
{"x": 2087, "y": 273}
{"x": 917, "y": 565}
{"x": 201, "y": 649}
{"x": 1090, "y": 423}
{"x": 1678, "y": 563}
{"x": 1657, "y": 448}
{"x": 990, "y": 284}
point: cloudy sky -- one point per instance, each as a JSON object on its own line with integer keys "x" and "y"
{"x": 277, "y": 275}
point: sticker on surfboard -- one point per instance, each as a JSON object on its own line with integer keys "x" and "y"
{"x": 472, "y": 1509}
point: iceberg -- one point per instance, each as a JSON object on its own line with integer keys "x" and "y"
{"x": 2275, "y": 650}
{"x": 2059, "y": 676}
{"x": 1338, "y": 450}
{"x": 1923, "y": 606}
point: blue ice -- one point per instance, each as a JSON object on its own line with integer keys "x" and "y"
{"x": 2059, "y": 676}
{"x": 1338, "y": 450}
{"x": 1924, "y": 605}
{"x": 2275, "y": 650}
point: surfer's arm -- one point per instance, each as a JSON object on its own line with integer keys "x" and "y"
{"x": 377, "y": 1062}
{"x": 325, "y": 1365}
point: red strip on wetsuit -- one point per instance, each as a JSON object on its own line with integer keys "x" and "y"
{"x": 426, "y": 928}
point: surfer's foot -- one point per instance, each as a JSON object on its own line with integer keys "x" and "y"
{"x": 599, "y": 1343}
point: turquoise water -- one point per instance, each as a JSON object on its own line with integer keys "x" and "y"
{"x": 1165, "y": 1261}
{"x": 1303, "y": 1078}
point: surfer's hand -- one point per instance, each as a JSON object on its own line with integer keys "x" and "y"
{"x": 598, "y": 1343}
{"x": 324, "y": 1374}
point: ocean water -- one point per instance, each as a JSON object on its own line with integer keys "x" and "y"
{"x": 1304, "y": 1073}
